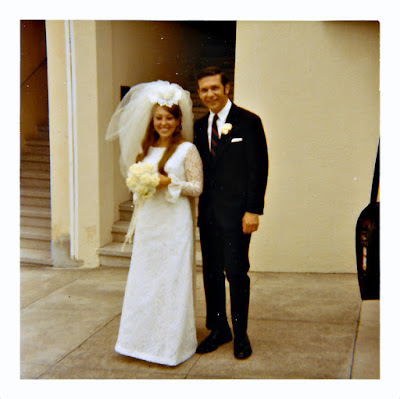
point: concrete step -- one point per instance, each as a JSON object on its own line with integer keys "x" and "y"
{"x": 35, "y": 216}
{"x": 115, "y": 249}
{"x": 112, "y": 255}
{"x": 35, "y": 192}
{"x": 125, "y": 211}
{"x": 35, "y": 211}
{"x": 34, "y": 221}
{"x": 35, "y": 256}
{"x": 35, "y": 237}
{"x": 34, "y": 201}
{"x": 35, "y": 183}
{"x": 38, "y": 233}
{"x": 38, "y": 143}
{"x": 35, "y": 197}
{"x": 119, "y": 230}
{"x": 31, "y": 243}
{"x": 35, "y": 158}
{"x": 114, "y": 261}
{"x": 35, "y": 174}
{"x": 30, "y": 165}
{"x": 35, "y": 178}
{"x": 35, "y": 147}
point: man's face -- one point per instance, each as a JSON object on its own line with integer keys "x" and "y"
{"x": 213, "y": 94}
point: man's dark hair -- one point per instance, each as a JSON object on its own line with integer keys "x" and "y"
{"x": 211, "y": 71}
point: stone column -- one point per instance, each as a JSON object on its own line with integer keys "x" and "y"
{"x": 81, "y": 162}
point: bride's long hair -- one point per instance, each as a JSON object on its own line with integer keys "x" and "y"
{"x": 152, "y": 136}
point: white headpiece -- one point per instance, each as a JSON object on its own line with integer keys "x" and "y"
{"x": 134, "y": 113}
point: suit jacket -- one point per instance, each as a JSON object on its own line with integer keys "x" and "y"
{"x": 235, "y": 179}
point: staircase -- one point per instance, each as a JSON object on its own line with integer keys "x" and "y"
{"x": 112, "y": 253}
{"x": 35, "y": 223}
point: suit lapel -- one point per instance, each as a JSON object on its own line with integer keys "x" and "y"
{"x": 232, "y": 116}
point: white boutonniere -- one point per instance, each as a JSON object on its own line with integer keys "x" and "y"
{"x": 226, "y": 128}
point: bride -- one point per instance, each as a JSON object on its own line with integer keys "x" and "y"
{"x": 157, "y": 320}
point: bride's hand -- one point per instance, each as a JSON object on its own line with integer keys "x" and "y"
{"x": 164, "y": 181}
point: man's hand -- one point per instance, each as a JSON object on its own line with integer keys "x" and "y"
{"x": 250, "y": 223}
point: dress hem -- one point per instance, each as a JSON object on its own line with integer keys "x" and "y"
{"x": 150, "y": 358}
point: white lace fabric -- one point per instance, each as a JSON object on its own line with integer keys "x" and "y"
{"x": 193, "y": 185}
{"x": 157, "y": 320}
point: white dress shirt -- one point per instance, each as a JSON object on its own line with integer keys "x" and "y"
{"x": 222, "y": 115}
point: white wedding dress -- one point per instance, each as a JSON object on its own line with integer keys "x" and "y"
{"x": 157, "y": 320}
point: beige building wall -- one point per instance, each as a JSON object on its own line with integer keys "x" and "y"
{"x": 316, "y": 87}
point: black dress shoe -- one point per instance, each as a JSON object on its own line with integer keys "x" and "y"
{"x": 214, "y": 340}
{"x": 242, "y": 348}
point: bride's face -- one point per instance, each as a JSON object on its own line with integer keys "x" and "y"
{"x": 164, "y": 122}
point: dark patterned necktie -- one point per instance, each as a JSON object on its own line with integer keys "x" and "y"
{"x": 214, "y": 136}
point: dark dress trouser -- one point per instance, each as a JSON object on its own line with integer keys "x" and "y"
{"x": 226, "y": 251}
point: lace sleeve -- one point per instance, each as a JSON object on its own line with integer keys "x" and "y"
{"x": 193, "y": 186}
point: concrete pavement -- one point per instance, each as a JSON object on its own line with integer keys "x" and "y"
{"x": 301, "y": 326}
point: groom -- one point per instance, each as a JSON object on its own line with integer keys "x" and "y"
{"x": 232, "y": 145}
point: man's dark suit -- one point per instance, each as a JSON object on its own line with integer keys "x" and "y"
{"x": 235, "y": 181}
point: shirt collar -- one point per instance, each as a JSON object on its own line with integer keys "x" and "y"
{"x": 223, "y": 114}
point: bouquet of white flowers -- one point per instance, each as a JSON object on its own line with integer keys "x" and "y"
{"x": 142, "y": 179}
